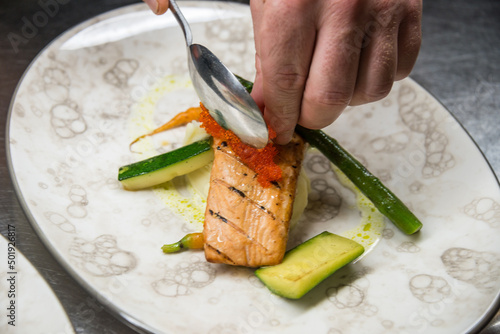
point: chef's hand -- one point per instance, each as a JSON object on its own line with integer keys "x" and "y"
{"x": 157, "y": 6}
{"x": 314, "y": 58}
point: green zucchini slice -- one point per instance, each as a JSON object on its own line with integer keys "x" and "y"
{"x": 308, "y": 264}
{"x": 166, "y": 166}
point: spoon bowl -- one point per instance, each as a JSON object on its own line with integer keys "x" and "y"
{"x": 221, "y": 93}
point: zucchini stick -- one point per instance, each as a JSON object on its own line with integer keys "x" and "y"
{"x": 189, "y": 241}
{"x": 383, "y": 199}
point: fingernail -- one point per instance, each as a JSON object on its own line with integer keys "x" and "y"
{"x": 153, "y": 4}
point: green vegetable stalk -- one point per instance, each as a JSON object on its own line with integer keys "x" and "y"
{"x": 383, "y": 198}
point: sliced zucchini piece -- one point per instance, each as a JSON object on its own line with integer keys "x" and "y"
{"x": 308, "y": 264}
{"x": 166, "y": 166}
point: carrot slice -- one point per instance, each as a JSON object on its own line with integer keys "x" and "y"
{"x": 182, "y": 118}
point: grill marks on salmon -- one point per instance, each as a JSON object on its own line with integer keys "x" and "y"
{"x": 247, "y": 224}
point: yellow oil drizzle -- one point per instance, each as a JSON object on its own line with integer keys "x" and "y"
{"x": 190, "y": 206}
{"x": 142, "y": 112}
{"x": 369, "y": 230}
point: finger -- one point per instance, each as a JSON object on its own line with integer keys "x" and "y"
{"x": 378, "y": 64}
{"x": 332, "y": 76}
{"x": 409, "y": 39}
{"x": 257, "y": 10}
{"x": 285, "y": 56}
{"x": 162, "y": 6}
{"x": 157, "y": 6}
{"x": 257, "y": 92}
{"x": 256, "y": 7}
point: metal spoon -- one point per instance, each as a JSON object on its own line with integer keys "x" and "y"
{"x": 220, "y": 91}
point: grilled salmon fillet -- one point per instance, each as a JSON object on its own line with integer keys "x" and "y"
{"x": 247, "y": 224}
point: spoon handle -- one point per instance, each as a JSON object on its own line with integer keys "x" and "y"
{"x": 174, "y": 8}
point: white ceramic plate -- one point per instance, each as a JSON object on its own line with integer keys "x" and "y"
{"x": 28, "y": 303}
{"x": 116, "y": 76}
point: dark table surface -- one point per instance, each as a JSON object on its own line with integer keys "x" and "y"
{"x": 459, "y": 64}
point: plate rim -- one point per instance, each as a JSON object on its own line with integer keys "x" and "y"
{"x": 114, "y": 310}
{"x": 28, "y": 265}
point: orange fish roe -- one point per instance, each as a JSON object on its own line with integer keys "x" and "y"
{"x": 261, "y": 161}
